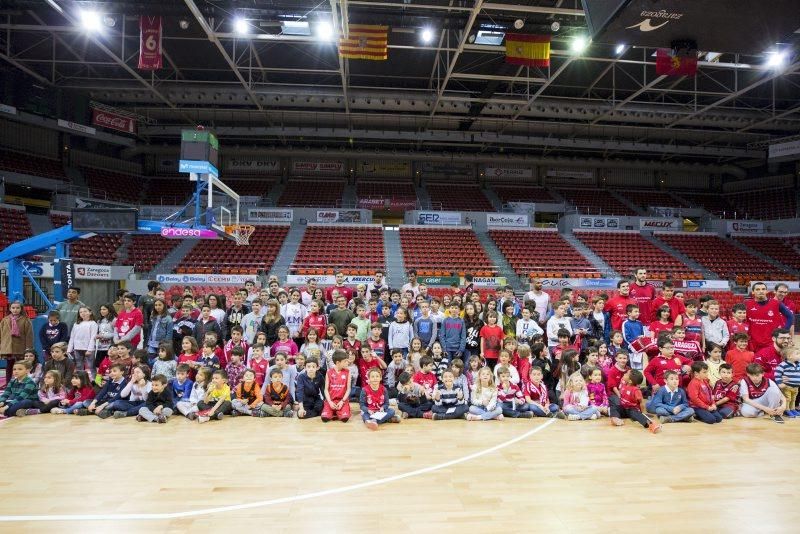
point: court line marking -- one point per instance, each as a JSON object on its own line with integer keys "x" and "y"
{"x": 281, "y": 500}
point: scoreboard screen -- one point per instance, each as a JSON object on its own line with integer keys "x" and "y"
{"x": 105, "y": 220}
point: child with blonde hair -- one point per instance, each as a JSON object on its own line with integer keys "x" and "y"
{"x": 189, "y": 407}
{"x": 484, "y": 398}
{"x": 576, "y": 400}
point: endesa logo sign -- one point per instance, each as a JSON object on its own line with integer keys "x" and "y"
{"x": 660, "y": 224}
{"x": 188, "y": 233}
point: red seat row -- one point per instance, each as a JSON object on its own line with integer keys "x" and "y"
{"x": 529, "y": 251}
{"x": 459, "y": 197}
{"x": 446, "y": 251}
{"x": 325, "y": 249}
{"x": 313, "y": 193}
{"x": 224, "y": 256}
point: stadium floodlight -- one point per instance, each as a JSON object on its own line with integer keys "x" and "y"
{"x": 620, "y": 49}
{"x": 776, "y": 59}
{"x": 579, "y": 44}
{"x": 91, "y": 20}
{"x": 427, "y": 35}
{"x": 325, "y": 30}
{"x": 241, "y": 26}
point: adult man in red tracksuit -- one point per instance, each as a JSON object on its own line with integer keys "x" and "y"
{"x": 765, "y": 315}
{"x": 770, "y": 356}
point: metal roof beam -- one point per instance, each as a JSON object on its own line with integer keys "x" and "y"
{"x": 337, "y": 31}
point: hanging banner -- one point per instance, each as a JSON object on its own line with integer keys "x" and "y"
{"x": 507, "y": 220}
{"x": 113, "y": 121}
{"x": 707, "y": 284}
{"x": 438, "y": 280}
{"x": 745, "y": 227}
{"x": 234, "y": 279}
{"x": 508, "y": 172}
{"x": 785, "y": 151}
{"x": 387, "y": 203}
{"x": 93, "y": 272}
{"x": 150, "y": 43}
{"x": 338, "y": 216}
{"x": 584, "y": 283}
{"x": 270, "y": 215}
{"x": 10, "y": 110}
{"x": 252, "y": 165}
{"x": 487, "y": 281}
{"x": 326, "y": 279}
{"x": 599, "y": 222}
{"x": 67, "y": 269}
{"x": 325, "y": 168}
{"x": 570, "y": 173}
{"x": 439, "y": 217}
{"x": 660, "y": 224}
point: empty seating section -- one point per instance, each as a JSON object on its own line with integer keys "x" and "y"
{"x": 32, "y": 165}
{"x": 777, "y": 248}
{"x": 522, "y": 193}
{"x": 403, "y": 191}
{"x": 595, "y": 201}
{"x": 458, "y": 197}
{"x": 171, "y": 191}
{"x": 146, "y": 251}
{"x": 14, "y": 225}
{"x": 712, "y": 203}
{"x": 720, "y": 256}
{"x": 249, "y": 188}
{"x": 625, "y": 251}
{"x": 113, "y": 185}
{"x": 225, "y": 257}
{"x": 356, "y": 250}
{"x": 100, "y": 249}
{"x": 644, "y": 199}
{"x": 313, "y": 193}
{"x": 542, "y": 254}
{"x": 444, "y": 252}
{"x": 766, "y": 204}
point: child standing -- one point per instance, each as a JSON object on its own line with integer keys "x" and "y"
{"x": 247, "y": 398}
{"x": 787, "y": 376}
{"x": 739, "y": 357}
{"x": 159, "y": 404}
{"x": 337, "y": 390}
{"x": 82, "y": 340}
{"x": 714, "y": 361}
{"x": 484, "y": 398}
{"x": 374, "y": 402}
{"x": 453, "y": 334}
{"x": 284, "y": 345}
{"x": 527, "y": 328}
{"x": 59, "y": 362}
{"x": 632, "y": 330}
{"x": 310, "y": 386}
{"x": 700, "y": 397}
{"x": 54, "y": 331}
{"x": 630, "y": 402}
{"x": 362, "y": 323}
{"x": 207, "y": 357}
{"x": 236, "y": 341}
{"x": 236, "y": 368}
{"x": 217, "y": 400}
{"x": 491, "y": 340}
{"x": 576, "y": 400}
{"x": 670, "y": 403}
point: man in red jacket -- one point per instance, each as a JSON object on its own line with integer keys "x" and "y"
{"x": 644, "y": 294}
{"x": 676, "y": 307}
{"x": 770, "y": 356}
{"x": 618, "y": 305}
{"x": 765, "y": 315}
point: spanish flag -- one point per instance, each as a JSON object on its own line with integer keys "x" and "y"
{"x": 528, "y": 50}
{"x": 365, "y": 41}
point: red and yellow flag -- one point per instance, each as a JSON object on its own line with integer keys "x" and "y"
{"x": 364, "y": 41}
{"x": 668, "y": 64}
{"x": 528, "y": 50}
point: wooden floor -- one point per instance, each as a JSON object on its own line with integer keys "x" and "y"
{"x": 563, "y": 477}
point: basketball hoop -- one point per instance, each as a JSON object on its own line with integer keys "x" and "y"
{"x": 241, "y": 233}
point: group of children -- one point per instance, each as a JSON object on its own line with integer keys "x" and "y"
{"x": 464, "y": 362}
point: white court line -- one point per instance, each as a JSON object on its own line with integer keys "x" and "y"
{"x": 272, "y": 502}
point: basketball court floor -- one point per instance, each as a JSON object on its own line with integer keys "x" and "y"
{"x": 80, "y": 474}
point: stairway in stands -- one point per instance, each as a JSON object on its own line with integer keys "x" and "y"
{"x": 689, "y": 262}
{"x": 288, "y": 251}
{"x": 631, "y": 205}
{"x": 171, "y": 260}
{"x": 395, "y": 268}
{"x": 499, "y": 260}
{"x": 589, "y": 254}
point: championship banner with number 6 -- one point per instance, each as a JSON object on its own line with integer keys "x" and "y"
{"x": 150, "y": 43}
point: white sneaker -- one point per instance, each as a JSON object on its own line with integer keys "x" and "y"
{"x": 573, "y": 417}
{"x": 203, "y": 419}
{"x": 595, "y": 416}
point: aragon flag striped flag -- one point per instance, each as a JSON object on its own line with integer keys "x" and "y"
{"x": 528, "y": 50}
{"x": 364, "y": 41}
{"x": 669, "y": 64}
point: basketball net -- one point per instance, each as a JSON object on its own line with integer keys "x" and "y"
{"x": 241, "y": 233}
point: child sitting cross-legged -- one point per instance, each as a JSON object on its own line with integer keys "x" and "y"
{"x": 760, "y": 395}
{"x": 159, "y": 404}
{"x": 630, "y": 402}
{"x": 450, "y": 402}
{"x": 701, "y": 399}
{"x": 188, "y": 405}
{"x": 79, "y": 395}
{"x": 484, "y": 398}
{"x": 110, "y": 392}
{"x": 510, "y": 397}
{"x": 413, "y": 399}
{"x": 374, "y": 402}
{"x": 217, "y": 401}
{"x": 20, "y": 392}
{"x": 277, "y": 400}
{"x": 726, "y": 392}
{"x": 576, "y": 400}
{"x": 670, "y": 403}
{"x": 247, "y": 399}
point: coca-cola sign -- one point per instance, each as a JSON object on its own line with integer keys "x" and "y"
{"x": 113, "y": 121}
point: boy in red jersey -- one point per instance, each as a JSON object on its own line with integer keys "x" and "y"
{"x": 760, "y": 395}
{"x": 692, "y": 323}
{"x": 630, "y": 403}
{"x": 350, "y": 344}
{"x": 737, "y": 323}
{"x": 367, "y": 361}
{"x": 376, "y": 343}
{"x": 236, "y": 341}
{"x": 726, "y": 392}
{"x": 616, "y": 372}
{"x": 667, "y": 360}
{"x": 337, "y": 390}
{"x": 374, "y": 402}
{"x": 740, "y": 356}
{"x": 426, "y": 377}
{"x": 259, "y": 364}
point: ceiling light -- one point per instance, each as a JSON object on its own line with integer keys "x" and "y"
{"x": 241, "y": 26}
{"x": 325, "y": 31}
{"x": 620, "y": 49}
{"x": 295, "y": 27}
{"x": 579, "y": 44}
{"x": 184, "y": 24}
{"x": 518, "y": 24}
{"x": 427, "y": 35}
{"x": 91, "y": 20}
{"x": 555, "y": 26}
{"x": 776, "y": 59}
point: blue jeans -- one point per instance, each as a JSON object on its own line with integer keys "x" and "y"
{"x": 77, "y": 406}
{"x": 512, "y": 410}
{"x": 726, "y": 411}
{"x": 586, "y": 413}
{"x": 538, "y": 412}
{"x": 484, "y": 413}
{"x": 707, "y": 416}
{"x": 130, "y": 408}
{"x": 685, "y": 413}
{"x": 385, "y": 419}
{"x": 20, "y": 405}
